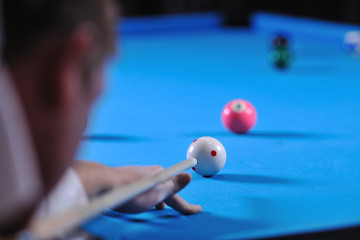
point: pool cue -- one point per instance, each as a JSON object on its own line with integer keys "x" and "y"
{"x": 52, "y": 227}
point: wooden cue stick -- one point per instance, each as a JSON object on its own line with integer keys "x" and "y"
{"x": 52, "y": 227}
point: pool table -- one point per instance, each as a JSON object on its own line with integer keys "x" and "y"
{"x": 296, "y": 172}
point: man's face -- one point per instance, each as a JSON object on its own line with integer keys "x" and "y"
{"x": 58, "y": 88}
{"x": 90, "y": 87}
{"x": 85, "y": 88}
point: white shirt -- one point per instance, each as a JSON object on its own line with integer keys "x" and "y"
{"x": 68, "y": 193}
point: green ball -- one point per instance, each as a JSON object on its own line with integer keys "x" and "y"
{"x": 281, "y": 57}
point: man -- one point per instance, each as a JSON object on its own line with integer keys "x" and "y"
{"x": 53, "y": 53}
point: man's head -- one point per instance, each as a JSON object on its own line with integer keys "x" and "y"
{"x": 54, "y": 51}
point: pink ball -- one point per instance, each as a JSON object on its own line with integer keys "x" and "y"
{"x": 239, "y": 116}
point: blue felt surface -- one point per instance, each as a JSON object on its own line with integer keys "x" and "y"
{"x": 298, "y": 170}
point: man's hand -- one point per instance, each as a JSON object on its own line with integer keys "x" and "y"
{"x": 97, "y": 178}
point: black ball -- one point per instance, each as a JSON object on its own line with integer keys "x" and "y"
{"x": 279, "y": 40}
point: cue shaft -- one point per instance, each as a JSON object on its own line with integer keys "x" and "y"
{"x": 53, "y": 227}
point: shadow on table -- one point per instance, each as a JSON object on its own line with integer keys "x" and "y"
{"x": 315, "y": 69}
{"x": 256, "y": 179}
{"x": 287, "y": 135}
{"x": 169, "y": 224}
{"x": 209, "y": 226}
{"x": 267, "y": 134}
{"x": 112, "y": 138}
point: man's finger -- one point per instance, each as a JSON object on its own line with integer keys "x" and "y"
{"x": 180, "y": 181}
{"x": 166, "y": 190}
{"x": 160, "y": 206}
{"x": 182, "y": 206}
{"x": 178, "y": 203}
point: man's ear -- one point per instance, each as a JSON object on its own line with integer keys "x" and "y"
{"x": 74, "y": 54}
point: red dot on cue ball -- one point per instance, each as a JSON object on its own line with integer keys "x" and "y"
{"x": 195, "y": 140}
{"x": 213, "y": 153}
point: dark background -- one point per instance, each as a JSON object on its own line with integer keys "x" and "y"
{"x": 237, "y": 12}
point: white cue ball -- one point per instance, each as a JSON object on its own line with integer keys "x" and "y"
{"x": 210, "y": 155}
